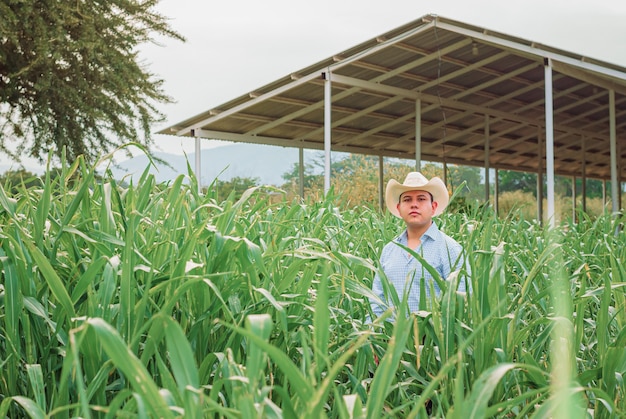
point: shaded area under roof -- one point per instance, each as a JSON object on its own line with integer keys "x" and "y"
{"x": 474, "y": 90}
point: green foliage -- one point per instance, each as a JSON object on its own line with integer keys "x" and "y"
{"x": 514, "y": 181}
{"x": 469, "y": 180}
{"x": 292, "y": 178}
{"x": 70, "y": 76}
{"x": 235, "y": 186}
{"x": 14, "y": 180}
{"x": 355, "y": 177}
{"x": 158, "y": 301}
{"x": 510, "y": 180}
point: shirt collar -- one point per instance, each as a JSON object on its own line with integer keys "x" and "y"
{"x": 432, "y": 233}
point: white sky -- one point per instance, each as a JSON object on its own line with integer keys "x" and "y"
{"x": 236, "y": 46}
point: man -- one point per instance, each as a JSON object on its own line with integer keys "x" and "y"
{"x": 416, "y": 201}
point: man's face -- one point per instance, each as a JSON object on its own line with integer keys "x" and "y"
{"x": 416, "y": 208}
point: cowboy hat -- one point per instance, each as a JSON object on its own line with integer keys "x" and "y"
{"x": 415, "y": 181}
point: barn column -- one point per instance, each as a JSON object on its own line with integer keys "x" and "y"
{"x": 615, "y": 182}
{"x": 549, "y": 106}
{"x": 418, "y": 135}
{"x": 583, "y": 189}
{"x": 301, "y": 171}
{"x": 496, "y": 187}
{"x": 487, "y": 134}
{"x": 574, "y": 198}
{"x": 381, "y": 173}
{"x": 539, "y": 176}
{"x": 327, "y": 129}
{"x": 198, "y": 160}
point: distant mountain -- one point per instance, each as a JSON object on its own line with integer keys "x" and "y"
{"x": 267, "y": 163}
{"x": 27, "y": 164}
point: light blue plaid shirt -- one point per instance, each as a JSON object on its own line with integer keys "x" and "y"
{"x": 401, "y": 269}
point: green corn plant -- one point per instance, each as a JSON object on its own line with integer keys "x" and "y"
{"x": 157, "y": 300}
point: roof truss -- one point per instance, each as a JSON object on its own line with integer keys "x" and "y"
{"x": 473, "y": 89}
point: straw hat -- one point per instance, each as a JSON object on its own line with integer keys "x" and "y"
{"x": 415, "y": 181}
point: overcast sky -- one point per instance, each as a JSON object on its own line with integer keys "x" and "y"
{"x": 235, "y": 46}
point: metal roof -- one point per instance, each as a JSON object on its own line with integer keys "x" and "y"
{"x": 471, "y": 83}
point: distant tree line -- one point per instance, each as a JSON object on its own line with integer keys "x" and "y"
{"x": 357, "y": 177}
{"x": 355, "y": 181}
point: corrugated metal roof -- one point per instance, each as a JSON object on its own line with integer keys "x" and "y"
{"x": 465, "y": 77}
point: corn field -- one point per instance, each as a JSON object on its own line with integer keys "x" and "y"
{"x": 155, "y": 301}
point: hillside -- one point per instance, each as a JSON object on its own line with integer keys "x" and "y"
{"x": 268, "y": 163}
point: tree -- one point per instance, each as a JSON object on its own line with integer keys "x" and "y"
{"x": 593, "y": 187}
{"x": 14, "y": 180}
{"x": 355, "y": 178}
{"x": 292, "y": 177}
{"x": 236, "y": 186}
{"x": 70, "y": 77}
{"x": 511, "y": 180}
{"x": 471, "y": 178}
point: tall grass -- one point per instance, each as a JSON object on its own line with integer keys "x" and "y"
{"x": 154, "y": 300}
